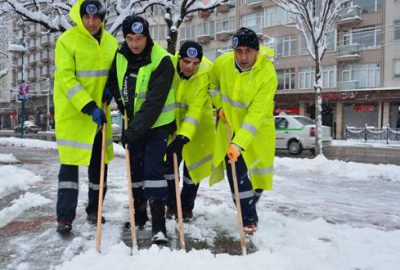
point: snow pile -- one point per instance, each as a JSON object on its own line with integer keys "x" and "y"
{"x": 11, "y": 141}
{"x": 24, "y": 202}
{"x": 8, "y": 158}
{"x": 14, "y": 178}
{"x": 40, "y": 144}
{"x": 283, "y": 243}
{"x": 320, "y": 166}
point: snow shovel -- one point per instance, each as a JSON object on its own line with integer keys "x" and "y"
{"x": 101, "y": 191}
{"x": 178, "y": 203}
{"x": 237, "y": 199}
{"x": 130, "y": 194}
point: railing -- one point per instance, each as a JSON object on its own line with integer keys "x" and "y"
{"x": 373, "y": 134}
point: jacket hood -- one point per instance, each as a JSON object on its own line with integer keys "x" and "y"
{"x": 75, "y": 15}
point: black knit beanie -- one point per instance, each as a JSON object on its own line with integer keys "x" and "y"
{"x": 135, "y": 25}
{"x": 191, "y": 49}
{"x": 245, "y": 37}
{"x": 93, "y": 7}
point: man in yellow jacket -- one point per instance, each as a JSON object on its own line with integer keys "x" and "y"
{"x": 243, "y": 84}
{"x": 83, "y": 56}
{"x": 195, "y": 127}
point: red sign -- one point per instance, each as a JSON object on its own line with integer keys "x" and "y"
{"x": 364, "y": 108}
{"x": 13, "y": 116}
{"x": 294, "y": 110}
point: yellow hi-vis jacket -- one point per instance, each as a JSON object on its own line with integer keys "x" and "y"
{"x": 82, "y": 66}
{"x": 247, "y": 99}
{"x": 194, "y": 120}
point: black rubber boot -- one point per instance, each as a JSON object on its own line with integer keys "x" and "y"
{"x": 92, "y": 218}
{"x": 159, "y": 230}
{"x": 64, "y": 227}
{"x": 141, "y": 213}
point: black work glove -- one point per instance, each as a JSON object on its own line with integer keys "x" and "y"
{"x": 132, "y": 136}
{"x": 107, "y": 95}
{"x": 177, "y": 144}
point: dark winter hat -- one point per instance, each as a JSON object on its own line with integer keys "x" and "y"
{"x": 191, "y": 49}
{"x": 135, "y": 25}
{"x": 245, "y": 37}
{"x": 93, "y": 7}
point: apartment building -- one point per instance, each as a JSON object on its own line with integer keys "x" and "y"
{"x": 34, "y": 65}
{"x": 360, "y": 71}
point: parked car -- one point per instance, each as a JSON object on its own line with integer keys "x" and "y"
{"x": 116, "y": 132}
{"x": 29, "y": 127}
{"x": 297, "y": 133}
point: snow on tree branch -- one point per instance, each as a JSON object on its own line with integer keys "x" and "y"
{"x": 314, "y": 19}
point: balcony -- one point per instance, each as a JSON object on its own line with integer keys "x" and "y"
{"x": 45, "y": 57}
{"x": 255, "y": 4}
{"x": 224, "y": 35}
{"x": 225, "y": 29}
{"x": 225, "y": 7}
{"x": 45, "y": 41}
{"x": 349, "y": 52}
{"x": 347, "y": 85}
{"x": 349, "y": 15}
{"x": 204, "y": 38}
{"x": 32, "y": 60}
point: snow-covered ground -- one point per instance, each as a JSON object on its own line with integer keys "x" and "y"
{"x": 322, "y": 214}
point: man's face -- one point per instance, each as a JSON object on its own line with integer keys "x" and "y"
{"x": 189, "y": 66}
{"x": 136, "y": 43}
{"x": 92, "y": 23}
{"x": 245, "y": 56}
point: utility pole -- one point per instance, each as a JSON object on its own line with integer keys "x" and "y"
{"x": 23, "y": 85}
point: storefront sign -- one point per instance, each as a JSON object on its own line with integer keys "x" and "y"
{"x": 294, "y": 110}
{"x": 364, "y": 108}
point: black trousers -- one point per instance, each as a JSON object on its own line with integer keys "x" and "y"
{"x": 248, "y": 196}
{"x": 68, "y": 184}
{"x": 189, "y": 189}
{"x": 148, "y": 167}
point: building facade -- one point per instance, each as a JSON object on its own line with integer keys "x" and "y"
{"x": 35, "y": 66}
{"x": 360, "y": 71}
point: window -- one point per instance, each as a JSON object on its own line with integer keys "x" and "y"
{"x": 330, "y": 43}
{"x": 369, "y": 5}
{"x": 396, "y": 31}
{"x": 281, "y": 123}
{"x": 306, "y": 78}
{"x": 367, "y": 75}
{"x": 328, "y": 76}
{"x": 158, "y": 32}
{"x": 226, "y": 25}
{"x": 277, "y": 16}
{"x": 286, "y": 78}
{"x": 206, "y": 28}
{"x": 285, "y": 46}
{"x": 253, "y": 21}
{"x": 368, "y": 37}
{"x": 396, "y": 68}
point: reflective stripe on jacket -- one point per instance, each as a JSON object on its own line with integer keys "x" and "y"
{"x": 247, "y": 99}
{"x": 82, "y": 66}
{"x": 194, "y": 119}
{"x": 142, "y": 82}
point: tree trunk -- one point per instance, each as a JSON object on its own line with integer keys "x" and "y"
{"x": 318, "y": 109}
{"x": 173, "y": 37}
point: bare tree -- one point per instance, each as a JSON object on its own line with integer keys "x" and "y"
{"x": 177, "y": 11}
{"x": 315, "y": 19}
{"x": 53, "y": 14}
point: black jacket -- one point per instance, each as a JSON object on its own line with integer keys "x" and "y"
{"x": 159, "y": 85}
